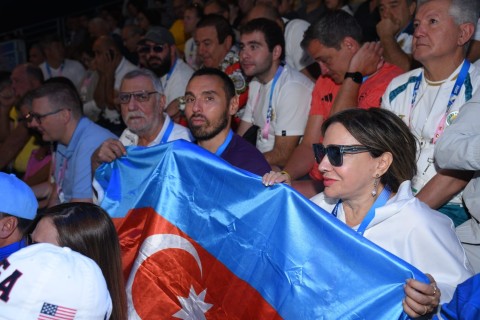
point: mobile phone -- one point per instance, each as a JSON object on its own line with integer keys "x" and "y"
{"x": 111, "y": 53}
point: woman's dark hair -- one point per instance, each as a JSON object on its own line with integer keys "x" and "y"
{"x": 381, "y": 131}
{"x": 89, "y": 230}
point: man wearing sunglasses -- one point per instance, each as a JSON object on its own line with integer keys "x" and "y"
{"x": 161, "y": 53}
{"x": 142, "y": 104}
{"x": 18, "y": 207}
{"x": 57, "y": 115}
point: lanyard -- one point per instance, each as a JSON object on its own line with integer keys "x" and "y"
{"x": 170, "y": 74}
{"x": 49, "y": 71}
{"x": 453, "y": 96}
{"x": 167, "y": 133}
{"x": 225, "y": 143}
{"x": 269, "y": 111}
{"x": 61, "y": 178}
{"x": 380, "y": 202}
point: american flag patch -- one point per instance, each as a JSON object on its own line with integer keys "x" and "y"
{"x": 53, "y": 312}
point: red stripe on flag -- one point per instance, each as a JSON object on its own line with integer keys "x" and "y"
{"x": 168, "y": 274}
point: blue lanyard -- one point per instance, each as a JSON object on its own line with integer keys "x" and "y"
{"x": 225, "y": 143}
{"x": 167, "y": 133}
{"x": 269, "y": 111}
{"x": 170, "y": 74}
{"x": 453, "y": 95}
{"x": 380, "y": 202}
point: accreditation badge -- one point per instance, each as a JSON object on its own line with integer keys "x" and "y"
{"x": 451, "y": 117}
{"x": 239, "y": 81}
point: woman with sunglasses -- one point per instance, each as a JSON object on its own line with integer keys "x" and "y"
{"x": 367, "y": 160}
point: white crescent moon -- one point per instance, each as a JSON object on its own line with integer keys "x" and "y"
{"x": 151, "y": 245}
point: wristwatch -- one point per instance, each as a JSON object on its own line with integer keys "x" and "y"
{"x": 357, "y": 77}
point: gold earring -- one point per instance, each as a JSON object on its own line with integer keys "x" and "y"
{"x": 375, "y": 185}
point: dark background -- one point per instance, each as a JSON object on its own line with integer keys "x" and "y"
{"x": 15, "y": 14}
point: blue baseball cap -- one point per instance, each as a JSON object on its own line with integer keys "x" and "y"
{"x": 16, "y": 197}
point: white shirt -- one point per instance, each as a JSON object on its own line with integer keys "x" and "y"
{"x": 428, "y": 110}
{"x": 176, "y": 84}
{"x": 70, "y": 69}
{"x": 423, "y": 237}
{"x": 459, "y": 148}
{"x": 128, "y": 138}
{"x": 290, "y": 106}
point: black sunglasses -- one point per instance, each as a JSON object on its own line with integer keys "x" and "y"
{"x": 146, "y": 49}
{"x": 335, "y": 152}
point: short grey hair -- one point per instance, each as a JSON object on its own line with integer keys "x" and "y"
{"x": 147, "y": 74}
{"x": 462, "y": 11}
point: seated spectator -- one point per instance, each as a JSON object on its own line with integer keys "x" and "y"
{"x": 377, "y": 201}
{"x": 353, "y": 74}
{"x": 280, "y": 96}
{"x": 36, "y": 55}
{"x": 457, "y": 149}
{"x": 89, "y": 84}
{"x": 39, "y": 167}
{"x": 142, "y": 103}
{"x": 55, "y": 62}
{"x": 293, "y": 30}
{"x": 57, "y": 115}
{"x": 395, "y": 31}
{"x": 428, "y": 99}
{"x": 193, "y": 14}
{"x": 210, "y": 102}
{"x": 111, "y": 66}
{"x": 177, "y": 28}
{"x": 163, "y": 60}
{"x": 131, "y": 36}
{"x": 18, "y": 206}
{"x": 89, "y": 230}
{"x": 215, "y": 40}
{"x": 19, "y": 143}
{"x": 50, "y": 282}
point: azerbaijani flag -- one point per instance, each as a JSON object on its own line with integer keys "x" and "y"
{"x": 202, "y": 239}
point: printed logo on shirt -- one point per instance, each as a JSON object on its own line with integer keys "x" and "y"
{"x": 328, "y": 98}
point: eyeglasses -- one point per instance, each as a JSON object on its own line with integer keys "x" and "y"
{"x": 139, "y": 96}
{"x": 38, "y": 117}
{"x": 146, "y": 49}
{"x": 335, "y": 152}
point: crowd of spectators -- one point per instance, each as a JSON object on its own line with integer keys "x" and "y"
{"x": 257, "y": 83}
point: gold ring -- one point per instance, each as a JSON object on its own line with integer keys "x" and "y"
{"x": 425, "y": 312}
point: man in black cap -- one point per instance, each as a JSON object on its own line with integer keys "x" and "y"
{"x": 161, "y": 53}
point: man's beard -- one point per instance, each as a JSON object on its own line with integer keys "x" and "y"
{"x": 208, "y": 130}
{"x": 160, "y": 69}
